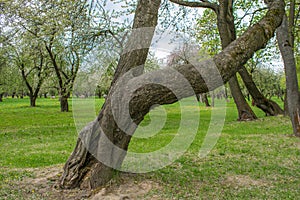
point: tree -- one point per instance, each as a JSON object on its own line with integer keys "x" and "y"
{"x": 66, "y": 29}
{"x": 68, "y": 43}
{"x": 11, "y": 82}
{"x": 286, "y": 43}
{"x": 3, "y": 65}
{"x": 82, "y": 167}
{"x": 30, "y": 58}
{"x": 227, "y": 30}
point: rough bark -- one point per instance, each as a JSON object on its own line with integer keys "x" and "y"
{"x": 270, "y": 107}
{"x": 82, "y": 168}
{"x": 227, "y": 32}
{"x": 287, "y": 54}
{"x": 81, "y": 163}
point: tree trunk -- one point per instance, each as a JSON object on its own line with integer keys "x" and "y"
{"x": 286, "y": 109}
{"x": 205, "y": 99}
{"x": 82, "y": 169}
{"x": 270, "y": 107}
{"x": 64, "y": 105}
{"x": 292, "y": 93}
{"x": 1, "y": 97}
{"x": 199, "y": 99}
{"x": 244, "y": 111}
{"x": 227, "y": 32}
{"x": 107, "y": 140}
{"x": 32, "y": 100}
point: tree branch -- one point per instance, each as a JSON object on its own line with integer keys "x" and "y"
{"x": 252, "y": 13}
{"x": 227, "y": 63}
{"x": 202, "y": 4}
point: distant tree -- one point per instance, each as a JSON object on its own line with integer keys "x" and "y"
{"x": 29, "y": 56}
{"x": 210, "y": 39}
{"x": 68, "y": 31}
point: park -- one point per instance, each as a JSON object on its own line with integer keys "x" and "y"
{"x": 158, "y": 99}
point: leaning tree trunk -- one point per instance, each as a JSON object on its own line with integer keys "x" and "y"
{"x": 270, "y": 107}
{"x": 81, "y": 163}
{"x": 226, "y": 27}
{"x": 82, "y": 168}
{"x": 292, "y": 91}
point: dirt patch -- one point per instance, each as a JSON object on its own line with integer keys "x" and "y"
{"x": 41, "y": 186}
{"x": 128, "y": 189}
{"x": 237, "y": 181}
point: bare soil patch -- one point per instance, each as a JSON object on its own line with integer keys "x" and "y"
{"x": 237, "y": 181}
{"x": 41, "y": 186}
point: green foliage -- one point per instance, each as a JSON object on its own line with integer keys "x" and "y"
{"x": 60, "y": 33}
{"x": 207, "y": 32}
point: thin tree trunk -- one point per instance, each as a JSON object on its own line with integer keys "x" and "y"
{"x": 198, "y": 97}
{"x": 270, "y": 107}
{"x": 1, "y": 97}
{"x": 290, "y": 74}
{"x": 205, "y": 99}
{"x": 82, "y": 168}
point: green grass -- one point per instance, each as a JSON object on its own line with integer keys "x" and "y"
{"x": 251, "y": 160}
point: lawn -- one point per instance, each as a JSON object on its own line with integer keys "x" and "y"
{"x": 251, "y": 160}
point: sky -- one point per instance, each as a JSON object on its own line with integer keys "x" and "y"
{"x": 162, "y": 43}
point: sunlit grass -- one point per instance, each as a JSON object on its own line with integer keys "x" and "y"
{"x": 251, "y": 160}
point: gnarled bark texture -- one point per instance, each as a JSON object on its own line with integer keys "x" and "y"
{"x": 82, "y": 169}
{"x": 81, "y": 163}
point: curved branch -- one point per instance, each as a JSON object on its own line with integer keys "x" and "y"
{"x": 227, "y": 62}
{"x": 201, "y": 4}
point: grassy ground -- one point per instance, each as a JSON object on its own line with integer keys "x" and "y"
{"x": 251, "y": 160}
